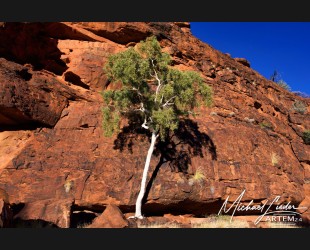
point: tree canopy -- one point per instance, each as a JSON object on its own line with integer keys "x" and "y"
{"x": 151, "y": 88}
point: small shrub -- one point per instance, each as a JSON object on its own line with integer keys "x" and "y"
{"x": 306, "y": 137}
{"x": 197, "y": 177}
{"x": 68, "y": 186}
{"x": 299, "y": 107}
{"x": 275, "y": 159}
{"x": 266, "y": 125}
{"x": 284, "y": 85}
{"x": 276, "y": 77}
{"x": 302, "y": 94}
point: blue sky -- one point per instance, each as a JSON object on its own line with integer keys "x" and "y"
{"x": 268, "y": 46}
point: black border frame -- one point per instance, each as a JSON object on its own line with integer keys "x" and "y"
{"x": 159, "y": 10}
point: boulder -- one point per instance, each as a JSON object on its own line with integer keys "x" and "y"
{"x": 55, "y": 213}
{"x": 243, "y": 61}
{"x": 112, "y": 217}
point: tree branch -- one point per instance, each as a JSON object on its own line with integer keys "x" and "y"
{"x": 158, "y": 80}
{"x": 144, "y": 124}
{"x": 161, "y": 99}
{"x": 168, "y": 102}
{"x": 142, "y": 109}
{"x": 140, "y": 96}
{"x": 137, "y": 90}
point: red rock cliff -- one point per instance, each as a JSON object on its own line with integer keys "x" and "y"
{"x": 55, "y": 161}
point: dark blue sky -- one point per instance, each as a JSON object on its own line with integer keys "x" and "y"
{"x": 268, "y": 46}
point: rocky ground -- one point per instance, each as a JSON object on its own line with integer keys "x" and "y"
{"x": 57, "y": 168}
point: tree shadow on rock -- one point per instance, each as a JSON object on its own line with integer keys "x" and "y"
{"x": 130, "y": 134}
{"x": 183, "y": 144}
{"x": 176, "y": 150}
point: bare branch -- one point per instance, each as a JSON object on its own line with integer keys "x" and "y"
{"x": 161, "y": 99}
{"x": 139, "y": 109}
{"x": 157, "y": 79}
{"x": 168, "y": 102}
{"x": 144, "y": 125}
{"x": 140, "y": 95}
{"x": 142, "y": 109}
{"x": 137, "y": 90}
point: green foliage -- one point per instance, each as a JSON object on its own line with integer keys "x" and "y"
{"x": 306, "y": 137}
{"x": 165, "y": 120}
{"x": 150, "y": 87}
{"x": 110, "y": 122}
{"x": 127, "y": 67}
{"x": 299, "y": 107}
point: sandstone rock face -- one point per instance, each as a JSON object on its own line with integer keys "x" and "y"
{"x": 12, "y": 143}
{"x": 28, "y": 97}
{"x": 112, "y": 217}
{"x": 55, "y": 157}
{"x": 57, "y": 212}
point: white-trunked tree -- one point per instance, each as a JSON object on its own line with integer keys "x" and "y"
{"x": 149, "y": 87}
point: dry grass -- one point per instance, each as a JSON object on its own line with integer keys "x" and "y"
{"x": 275, "y": 159}
{"x": 68, "y": 186}
{"x": 222, "y": 221}
{"x": 197, "y": 177}
{"x": 281, "y": 225}
{"x": 83, "y": 225}
{"x": 159, "y": 225}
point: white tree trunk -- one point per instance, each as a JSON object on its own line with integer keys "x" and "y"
{"x": 138, "y": 213}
